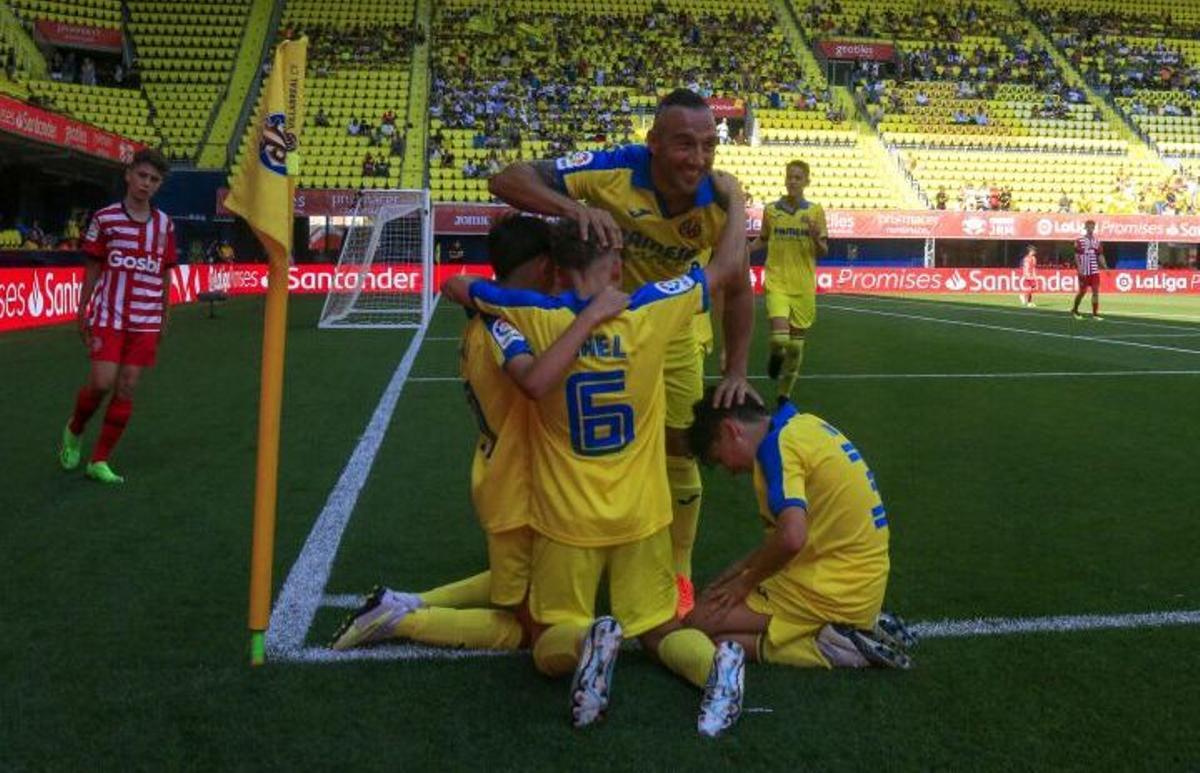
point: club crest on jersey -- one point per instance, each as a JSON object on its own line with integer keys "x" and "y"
{"x": 575, "y": 160}
{"x": 276, "y": 143}
{"x": 118, "y": 259}
{"x": 690, "y": 228}
{"x": 676, "y": 286}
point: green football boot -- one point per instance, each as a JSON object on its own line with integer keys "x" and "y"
{"x": 68, "y": 452}
{"x": 102, "y": 473}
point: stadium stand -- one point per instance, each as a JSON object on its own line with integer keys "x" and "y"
{"x": 90, "y": 13}
{"x": 505, "y": 88}
{"x": 186, "y": 49}
{"x": 62, "y": 84}
{"x": 358, "y": 73}
{"x": 1144, "y": 56}
{"x": 123, "y": 111}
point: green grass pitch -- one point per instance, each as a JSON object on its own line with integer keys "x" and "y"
{"x": 1028, "y": 471}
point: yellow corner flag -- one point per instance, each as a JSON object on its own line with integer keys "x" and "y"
{"x": 263, "y": 195}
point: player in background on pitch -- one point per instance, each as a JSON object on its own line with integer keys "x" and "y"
{"x": 657, "y": 204}
{"x": 123, "y": 308}
{"x": 501, "y": 378}
{"x": 794, "y": 233}
{"x": 1089, "y": 262}
{"x": 811, "y": 594}
{"x": 1028, "y": 277}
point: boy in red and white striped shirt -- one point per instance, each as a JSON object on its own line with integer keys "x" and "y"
{"x": 1089, "y": 262}
{"x": 130, "y": 248}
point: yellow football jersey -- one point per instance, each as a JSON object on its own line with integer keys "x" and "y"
{"x": 791, "y": 255}
{"x": 500, "y": 487}
{"x": 657, "y": 247}
{"x": 806, "y": 462}
{"x": 599, "y": 468}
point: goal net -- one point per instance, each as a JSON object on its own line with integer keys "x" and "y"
{"x": 384, "y": 275}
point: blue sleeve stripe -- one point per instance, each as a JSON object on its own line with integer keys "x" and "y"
{"x": 793, "y": 502}
{"x": 652, "y": 292}
{"x": 495, "y": 295}
{"x": 626, "y": 157}
{"x": 701, "y": 278}
{"x": 771, "y": 460}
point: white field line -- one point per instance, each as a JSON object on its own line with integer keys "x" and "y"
{"x": 921, "y": 376}
{"x": 939, "y": 629}
{"x": 1006, "y": 329}
{"x": 305, "y": 585}
{"x": 996, "y": 626}
{"x": 1154, "y": 335}
{"x": 1027, "y": 313}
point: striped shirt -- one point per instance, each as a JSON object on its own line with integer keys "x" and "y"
{"x": 1087, "y": 255}
{"x": 135, "y": 261}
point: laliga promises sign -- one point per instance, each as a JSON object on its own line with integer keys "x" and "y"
{"x": 31, "y": 297}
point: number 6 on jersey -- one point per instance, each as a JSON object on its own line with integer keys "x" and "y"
{"x": 597, "y": 430}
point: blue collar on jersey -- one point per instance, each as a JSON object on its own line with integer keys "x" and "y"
{"x": 783, "y": 415}
{"x": 801, "y": 204}
{"x": 640, "y": 165}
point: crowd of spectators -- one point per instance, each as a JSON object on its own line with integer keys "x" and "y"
{"x": 1104, "y": 47}
{"x": 331, "y": 46}
{"x": 946, "y": 22}
{"x": 566, "y": 77}
{"x": 93, "y": 71}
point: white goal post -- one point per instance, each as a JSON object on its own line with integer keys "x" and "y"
{"x": 384, "y": 276}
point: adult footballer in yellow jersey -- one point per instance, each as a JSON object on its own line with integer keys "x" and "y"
{"x": 659, "y": 203}
{"x": 601, "y": 500}
{"x": 793, "y": 230}
{"x": 811, "y": 594}
{"x": 501, "y": 376}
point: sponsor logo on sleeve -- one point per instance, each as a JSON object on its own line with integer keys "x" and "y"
{"x": 575, "y": 160}
{"x": 676, "y": 286}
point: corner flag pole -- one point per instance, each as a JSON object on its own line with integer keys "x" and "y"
{"x": 263, "y": 195}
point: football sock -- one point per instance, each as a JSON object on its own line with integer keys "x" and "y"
{"x": 683, "y": 475}
{"x": 779, "y": 339}
{"x": 86, "y": 403}
{"x": 115, "y": 419}
{"x": 793, "y": 356}
{"x": 474, "y": 591}
{"x": 478, "y": 629}
{"x": 1095, "y": 307}
{"x": 556, "y": 652}
{"x": 689, "y": 653}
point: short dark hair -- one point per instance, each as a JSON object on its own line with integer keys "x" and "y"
{"x": 570, "y": 251}
{"x": 798, "y": 163}
{"x": 152, "y": 157}
{"x": 514, "y": 241}
{"x": 681, "y": 98}
{"x": 1089, "y": 222}
{"x": 706, "y": 421}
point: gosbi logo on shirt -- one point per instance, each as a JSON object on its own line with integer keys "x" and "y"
{"x": 118, "y": 259}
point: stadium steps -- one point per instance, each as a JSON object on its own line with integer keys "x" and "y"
{"x": 27, "y": 57}
{"x": 215, "y": 152}
{"x": 887, "y": 161}
{"x": 1140, "y": 151}
{"x": 789, "y": 22}
{"x": 413, "y": 170}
